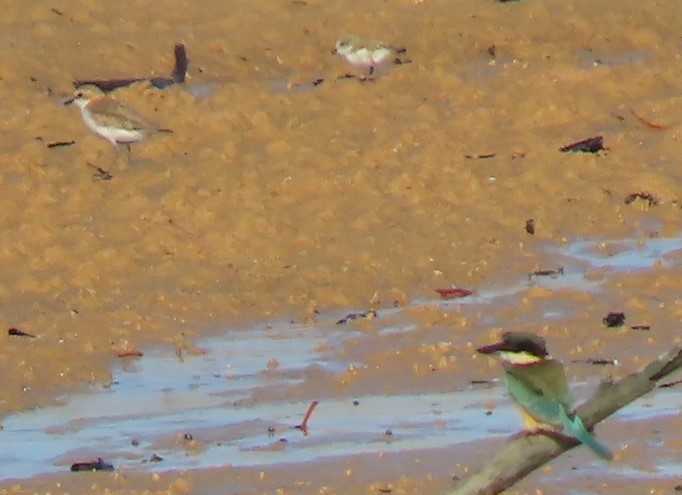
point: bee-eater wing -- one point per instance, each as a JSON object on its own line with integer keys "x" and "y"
{"x": 536, "y": 402}
{"x": 542, "y": 391}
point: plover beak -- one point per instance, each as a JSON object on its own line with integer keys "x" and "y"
{"x": 73, "y": 98}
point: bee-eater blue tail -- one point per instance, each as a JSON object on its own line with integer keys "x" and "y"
{"x": 579, "y": 431}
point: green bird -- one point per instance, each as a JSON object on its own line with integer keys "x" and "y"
{"x": 538, "y": 385}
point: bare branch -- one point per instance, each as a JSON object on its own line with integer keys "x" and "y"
{"x": 177, "y": 75}
{"x": 522, "y": 455}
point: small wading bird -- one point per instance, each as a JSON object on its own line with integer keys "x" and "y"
{"x": 538, "y": 385}
{"x": 112, "y": 120}
{"x": 368, "y": 53}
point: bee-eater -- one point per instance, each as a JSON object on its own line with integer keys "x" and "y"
{"x": 538, "y": 385}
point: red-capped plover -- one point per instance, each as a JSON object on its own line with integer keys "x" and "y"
{"x": 369, "y": 54}
{"x": 112, "y": 120}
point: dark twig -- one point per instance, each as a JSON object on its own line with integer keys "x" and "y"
{"x": 597, "y": 361}
{"x": 546, "y": 273}
{"x": 589, "y": 145}
{"x": 98, "y": 465}
{"x": 177, "y": 76}
{"x": 101, "y": 173}
{"x": 365, "y": 315}
{"x": 181, "y": 63}
{"x": 17, "y": 332}
{"x": 59, "y": 144}
{"x": 481, "y": 156}
{"x": 648, "y": 198}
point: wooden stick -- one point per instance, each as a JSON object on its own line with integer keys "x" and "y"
{"x": 177, "y": 75}
{"x": 522, "y": 455}
{"x": 304, "y": 424}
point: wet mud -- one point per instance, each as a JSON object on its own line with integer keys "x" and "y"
{"x": 288, "y": 198}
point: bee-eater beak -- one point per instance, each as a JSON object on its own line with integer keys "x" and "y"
{"x": 492, "y": 348}
{"x": 69, "y": 100}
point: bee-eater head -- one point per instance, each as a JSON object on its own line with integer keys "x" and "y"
{"x": 520, "y": 348}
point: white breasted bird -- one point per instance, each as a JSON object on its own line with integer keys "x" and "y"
{"x": 369, "y": 54}
{"x": 538, "y": 385}
{"x": 112, "y": 120}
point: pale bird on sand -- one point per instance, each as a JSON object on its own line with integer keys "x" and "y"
{"x": 368, "y": 53}
{"x": 112, "y": 120}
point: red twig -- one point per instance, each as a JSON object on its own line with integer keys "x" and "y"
{"x": 648, "y": 123}
{"x": 304, "y": 425}
{"x": 130, "y": 353}
{"x": 453, "y": 292}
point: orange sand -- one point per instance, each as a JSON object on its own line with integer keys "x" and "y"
{"x": 273, "y": 203}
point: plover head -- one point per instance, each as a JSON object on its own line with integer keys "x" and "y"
{"x": 83, "y": 96}
{"x": 346, "y": 45}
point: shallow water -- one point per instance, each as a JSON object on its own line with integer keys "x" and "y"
{"x": 232, "y": 401}
{"x": 625, "y": 255}
{"x": 161, "y": 401}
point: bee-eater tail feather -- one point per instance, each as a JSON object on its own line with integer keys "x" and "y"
{"x": 587, "y": 438}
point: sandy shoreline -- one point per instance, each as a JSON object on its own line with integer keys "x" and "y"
{"x": 266, "y": 203}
